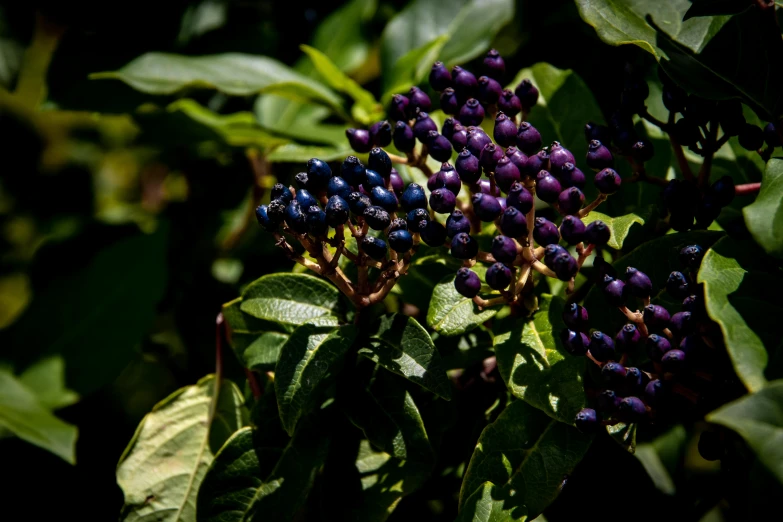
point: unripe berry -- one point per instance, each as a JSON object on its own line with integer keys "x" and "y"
{"x": 628, "y": 338}
{"x": 597, "y": 233}
{"x": 613, "y": 374}
{"x": 471, "y": 113}
{"x": 586, "y": 421}
{"x": 440, "y": 77}
{"x": 637, "y": 283}
{"x": 305, "y": 199}
{"x": 463, "y": 246}
{"x": 418, "y": 100}
{"x": 657, "y": 346}
{"x": 509, "y": 103}
{"x": 432, "y": 233}
{"x": 614, "y": 292}
{"x": 358, "y": 203}
{"x": 400, "y": 241}
{"x": 403, "y": 137}
{"x": 381, "y": 133}
{"x": 498, "y": 276}
{"x": 548, "y": 188}
{"x": 316, "y": 221}
{"x": 601, "y": 347}
{"x": 384, "y": 199}
{"x": 467, "y": 283}
{"x": 477, "y": 139}
{"x": 422, "y": 126}
{"x": 398, "y": 108}
{"x": 520, "y": 198}
{"x": 506, "y": 173}
{"x": 551, "y": 251}
{"x": 359, "y": 139}
{"x": 490, "y": 155}
{"x": 751, "y": 137}
{"x": 337, "y": 211}
{"x": 545, "y": 232}
{"x": 488, "y": 90}
{"x": 504, "y": 249}
{"x": 377, "y": 217}
{"x": 513, "y": 223}
{"x": 464, "y": 82}
{"x": 456, "y": 223}
{"x": 571, "y": 200}
{"x": 631, "y": 409}
{"x": 594, "y": 131}
{"x": 449, "y": 103}
{"x": 439, "y": 147}
{"x": 374, "y": 247}
{"x": 468, "y": 167}
{"x": 598, "y": 156}
{"x": 281, "y": 192}
{"x": 575, "y": 343}
{"x": 486, "y": 207}
{"x": 572, "y": 230}
{"x": 559, "y": 156}
{"x": 571, "y": 176}
{"x": 505, "y": 131}
{"x": 527, "y": 94}
{"x": 528, "y": 139}
{"x": 443, "y": 201}
{"x": 494, "y": 66}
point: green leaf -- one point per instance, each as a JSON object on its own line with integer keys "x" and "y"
{"x": 715, "y": 7}
{"x": 423, "y": 274}
{"x": 295, "y": 153}
{"x": 412, "y": 67}
{"x": 624, "y": 435}
{"x": 619, "y": 226}
{"x": 481, "y": 507}
{"x": 25, "y": 415}
{"x": 401, "y": 345}
{"x": 306, "y": 360}
{"x": 46, "y": 378}
{"x": 764, "y": 217}
{"x": 292, "y": 300}
{"x": 465, "y": 350}
{"x": 231, "y": 73}
{"x": 654, "y": 456}
{"x": 254, "y": 344}
{"x": 758, "y": 418}
{"x": 451, "y": 313}
{"x": 341, "y": 37}
{"x": 737, "y": 287}
{"x": 526, "y": 455}
{"x": 537, "y": 368}
{"x": 162, "y": 468}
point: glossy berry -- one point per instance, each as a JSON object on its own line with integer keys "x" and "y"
{"x": 513, "y": 223}
{"x": 443, "y": 201}
{"x": 504, "y": 249}
{"x": 490, "y": 155}
{"x": 372, "y": 179}
{"x": 498, "y": 276}
{"x": 400, "y": 241}
{"x": 374, "y": 247}
{"x": 477, "y": 139}
{"x": 506, "y": 173}
{"x": 751, "y": 137}
{"x": 438, "y": 146}
{"x": 463, "y": 246}
{"x": 416, "y": 216}
{"x": 384, "y": 199}
{"x": 608, "y": 401}
{"x": 571, "y": 200}
{"x": 571, "y": 176}
{"x": 528, "y": 138}
{"x": 459, "y": 138}
{"x": 337, "y": 186}
{"x": 433, "y": 233}
{"x": 628, "y": 338}
{"x": 262, "y": 216}
{"x": 572, "y": 230}
{"x": 657, "y": 346}
{"x": 489, "y": 90}
{"x": 656, "y": 392}
{"x": 597, "y": 233}
{"x": 505, "y": 131}
{"x": 281, "y": 192}
{"x": 593, "y": 131}
{"x": 337, "y": 211}
{"x": 456, "y": 223}
{"x": 614, "y": 292}
{"x": 634, "y": 380}
{"x": 396, "y": 183}
{"x": 353, "y": 171}
{"x": 440, "y": 77}
{"x": 722, "y": 191}
{"x": 673, "y": 361}
{"x": 305, "y": 199}
{"x": 468, "y": 167}
{"x": 599, "y": 156}
{"x": 545, "y": 232}
{"x": 517, "y": 157}
{"x": 602, "y": 347}
{"x": 575, "y": 317}
{"x": 691, "y": 256}
{"x": 403, "y": 137}
{"x": 642, "y": 151}
{"x": 471, "y": 113}
{"x": 655, "y": 316}
{"x": 447, "y": 129}
{"x": 527, "y": 93}
{"x": 493, "y": 65}
{"x": 467, "y": 283}
{"x": 318, "y": 173}
{"x": 586, "y": 421}
{"x": 551, "y": 252}
{"x": 637, "y": 283}
{"x": 418, "y": 100}
{"x": 575, "y": 343}
{"x": 398, "y": 224}
{"x": 449, "y": 103}
{"x": 379, "y": 161}
{"x": 358, "y": 203}
{"x": 377, "y": 217}
{"x": 565, "y": 267}
{"x": 316, "y": 221}
{"x": 677, "y": 285}
{"x": 509, "y": 103}
{"x": 485, "y": 187}
{"x": 548, "y": 188}
{"x": 681, "y": 323}
{"x": 559, "y": 156}
{"x": 381, "y": 133}
{"x": 771, "y": 135}
{"x": 359, "y": 139}
{"x": 613, "y": 374}
{"x": 486, "y": 207}
{"x": 413, "y": 197}
{"x": 464, "y": 82}
{"x": 520, "y": 198}
{"x": 422, "y": 126}
{"x": 398, "y": 108}
{"x": 631, "y": 409}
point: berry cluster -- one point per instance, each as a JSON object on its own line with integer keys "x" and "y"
{"x": 674, "y": 347}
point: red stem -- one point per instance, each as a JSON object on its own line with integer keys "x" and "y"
{"x": 747, "y": 188}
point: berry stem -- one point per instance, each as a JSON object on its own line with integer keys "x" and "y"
{"x": 541, "y": 268}
{"x": 682, "y": 161}
{"x": 398, "y": 159}
{"x": 597, "y": 201}
{"x": 747, "y": 188}
{"x": 255, "y": 386}
{"x": 485, "y": 257}
{"x": 584, "y": 253}
{"x": 486, "y": 303}
{"x": 523, "y": 276}
{"x": 709, "y": 152}
{"x": 652, "y": 119}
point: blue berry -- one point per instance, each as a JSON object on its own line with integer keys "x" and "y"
{"x": 359, "y": 139}
{"x": 459, "y": 138}
{"x": 488, "y": 90}
{"x": 608, "y": 401}
{"x": 490, "y": 155}
{"x": 551, "y": 252}
{"x": 520, "y": 198}
{"x": 414, "y": 197}
{"x": 398, "y": 224}
{"x": 677, "y": 285}
{"x": 449, "y": 103}
{"x": 305, "y": 199}
{"x": 571, "y": 176}
{"x": 613, "y": 374}
{"x": 380, "y": 162}
{"x": 681, "y": 323}
{"x": 575, "y": 343}
{"x": 456, "y": 223}
{"x": 448, "y": 178}
{"x": 631, "y": 409}
{"x": 418, "y": 100}
{"x": 572, "y": 230}
{"x": 571, "y": 200}
{"x": 467, "y": 283}
{"x": 751, "y": 137}
{"x": 477, "y": 139}
{"x": 548, "y": 188}
{"x": 384, "y": 199}
{"x": 771, "y": 135}
{"x": 597, "y": 233}
{"x": 637, "y": 283}
{"x": 656, "y": 392}
{"x": 513, "y": 223}
{"x": 374, "y": 247}
{"x": 628, "y": 338}
{"x": 599, "y": 156}
{"x": 614, "y": 292}
{"x": 607, "y": 181}
{"x": 506, "y": 173}
{"x": 337, "y": 211}
{"x": 468, "y": 167}
{"x": 398, "y": 108}
{"x": 440, "y": 77}
{"x": 338, "y": 187}
{"x": 656, "y": 316}
{"x": 517, "y": 157}
{"x": 673, "y": 361}
{"x": 528, "y": 138}
{"x": 377, "y": 217}
{"x": 545, "y": 232}
{"x": 439, "y": 147}
{"x": 691, "y": 256}
{"x": 432, "y": 233}
{"x": 352, "y": 171}
{"x": 416, "y": 217}
{"x": 575, "y": 317}
{"x": 498, "y": 276}
{"x": 443, "y": 201}
{"x": 464, "y": 82}
{"x": 657, "y": 346}
{"x": 486, "y": 207}
{"x": 463, "y": 246}
{"x": 471, "y": 113}
{"x": 281, "y": 192}
{"x": 634, "y": 380}
{"x": 602, "y": 347}
{"x": 423, "y": 125}
{"x": 372, "y": 179}
{"x": 358, "y": 203}
{"x": 505, "y": 131}
{"x": 494, "y": 65}
{"x": 559, "y": 156}
{"x": 400, "y": 241}
{"x": 316, "y": 221}
{"x": 527, "y": 94}
{"x": 586, "y": 421}
{"x": 504, "y": 249}
{"x": 509, "y": 103}
{"x": 263, "y": 218}
{"x": 565, "y": 267}
{"x": 594, "y": 131}
{"x": 403, "y": 137}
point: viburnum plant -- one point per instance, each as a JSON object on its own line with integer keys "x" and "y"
{"x": 490, "y": 293}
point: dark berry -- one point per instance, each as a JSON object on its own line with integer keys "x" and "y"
{"x": 467, "y": 283}
{"x": 381, "y": 133}
{"x": 337, "y": 186}
{"x": 488, "y": 90}
{"x": 384, "y": 199}
{"x": 559, "y": 156}
{"x": 673, "y": 361}
{"x": 490, "y": 155}
{"x": 372, "y": 179}
{"x": 608, "y": 401}
{"x": 505, "y": 131}
{"x": 598, "y": 156}
{"x": 276, "y": 211}
{"x": 722, "y": 191}
{"x": 571, "y": 176}
{"x": 396, "y": 183}
{"x": 575, "y": 343}
{"x": 468, "y": 167}
{"x": 506, "y": 173}
{"x": 691, "y": 304}
{"x": 316, "y": 221}
{"x": 642, "y": 151}
{"x": 352, "y": 171}
{"x": 485, "y": 187}
{"x": 449, "y": 103}
{"x": 572, "y": 230}
{"x": 443, "y": 201}
{"x": 400, "y": 241}
{"x": 464, "y": 82}
{"x": 551, "y": 251}
{"x": 528, "y": 138}
{"x": 575, "y": 317}
{"x": 603, "y": 269}
{"x": 414, "y": 197}
{"x": 517, "y": 157}
{"x": 358, "y": 203}
{"x": 337, "y": 211}
{"x": 513, "y": 223}
{"x": 359, "y": 139}
{"x": 380, "y": 162}
{"x": 751, "y": 137}
{"x": 432, "y": 233}
{"x": 374, "y": 247}
{"x": 471, "y": 113}
{"x": 398, "y": 224}
{"x": 571, "y": 200}
{"x": 674, "y": 98}
{"x": 594, "y": 131}
{"x": 416, "y": 216}
{"x": 439, "y": 147}
{"x": 677, "y": 285}
{"x": 527, "y": 94}
{"x": 613, "y": 374}
{"x": 262, "y": 217}
{"x": 631, "y": 409}
{"x": 710, "y": 446}
{"x": 486, "y": 207}
{"x": 494, "y": 66}
{"x": 635, "y": 380}
{"x": 477, "y": 139}
{"x": 602, "y": 347}
{"x": 657, "y": 346}
{"x": 686, "y": 132}
{"x": 398, "y": 108}
{"x": 628, "y": 338}
{"x": 699, "y": 109}
{"x": 456, "y": 223}
{"x": 637, "y": 283}
{"x": 509, "y": 103}
{"x": 656, "y": 316}
{"x": 463, "y": 246}
{"x": 771, "y": 135}
{"x": 614, "y": 292}
{"x": 504, "y": 249}
{"x": 548, "y": 188}
{"x": 586, "y": 421}
{"x": 447, "y": 129}
{"x": 305, "y": 199}
{"x": 440, "y": 77}
{"x": 730, "y": 117}
{"x": 423, "y": 125}
{"x": 377, "y": 217}
{"x": 681, "y": 323}
{"x": 318, "y": 173}
{"x": 681, "y": 219}
{"x": 280, "y": 191}
{"x": 403, "y": 137}
{"x": 459, "y": 138}
{"x": 691, "y": 256}
{"x": 656, "y": 392}
{"x": 691, "y": 345}
{"x": 545, "y": 232}
{"x": 520, "y": 198}
{"x": 597, "y": 233}
{"x": 418, "y": 100}
{"x": 565, "y": 267}
{"x": 498, "y": 276}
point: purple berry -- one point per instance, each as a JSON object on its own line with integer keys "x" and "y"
{"x": 597, "y": 233}
{"x": 419, "y": 100}
{"x": 403, "y": 137}
{"x": 513, "y": 223}
{"x": 464, "y": 82}
{"x": 432, "y": 233}
{"x": 575, "y": 343}
{"x": 608, "y": 401}
{"x": 681, "y": 323}
{"x": 751, "y": 137}
{"x": 459, "y": 138}
{"x": 586, "y": 421}
{"x": 608, "y": 181}
{"x": 771, "y": 135}
{"x": 504, "y": 249}
{"x": 519, "y": 198}
{"x": 463, "y": 246}
{"x": 396, "y": 183}
{"x": 423, "y": 126}
{"x": 503, "y": 204}
{"x": 498, "y": 276}
{"x": 443, "y": 200}
{"x": 456, "y": 223}
{"x": 438, "y": 146}
{"x": 337, "y": 211}
{"x": 677, "y": 285}
{"x": 614, "y": 292}
{"x": 416, "y": 216}
{"x": 468, "y": 167}
{"x": 571, "y": 176}
{"x": 551, "y": 252}
{"x": 565, "y": 267}
{"x": 613, "y": 374}
{"x": 631, "y": 409}
{"x": 374, "y": 247}
{"x": 449, "y": 178}
{"x": 598, "y": 156}
{"x": 657, "y": 346}
{"x": 505, "y": 131}
{"x": 655, "y": 316}
{"x": 485, "y": 187}
{"x": 634, "y": 380}
{"x": 572, "y": 230}
{"x": 477, "y": 139}
{"x": 494, "y": 66}
{"x": 593, "y": 131}
{"x": 509, "y": 103}
{"x": 398, "y": 108}
{"x": 440, "y": 77}
{"x": 575, "y": 317}
{"x": 381, "y": 133}
{"x": 628, "y": 338}
{"x": 559, "y": 156}
{"x": 377, "y": 217}
{"x": 637, "y": 283}
{"x": 642, "y": 151}
{"x": 517, "y": 157}
{"x": 372, "y": 179}
{"x": 536, "y": 163}
{"x": 528, "y": 138}
{"x": 603, "y": 269}
{"x": 527, "y": 93}
{"x": 359, "y": 139}
{"x": 548, "y": 188}
{"x": 472, "y": 113}
{"x": 656, "y": 392}
{"x": 571, "y": 201}
{"x": 545, "y": 232}
{"x": 449, "y": 103}
{"x": 447, "y": 129}
{"x": 506, "y": 173}
{"x": 673, "y": 361}
{"x": 690, "y": 304}
{"x": 467, "y": 283}
{"x": 490, "y": 155}
{"x": 486, "y": 207}
{"x": 601, "y": 347}
{"x": 488, "y": 90}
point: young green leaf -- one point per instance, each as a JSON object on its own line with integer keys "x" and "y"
{"x": 451, "y": 313}
{"x": 764, "y": 217}
{"x": 620, "y": 226}
{"x": 526, "y": 455}
{"x": 536, "y": 367}
{"x": 306, "y": 359}
{"x": 401, "y": 345}
{"x": 162, "y": 468}
{"x": 292, "y": 300}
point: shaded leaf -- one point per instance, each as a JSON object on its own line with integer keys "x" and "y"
{"x": 295, "y": 153}
{"x": 423, "y": 274}
{"x": 619, "y": 226}
{"x": 341, "y": 37}
{"x": 162, "y": 468}
{"x": 254, "y": 341}
{"x": 536, "y": 367}
{"x": 401, "y": 345}
{"x": 764, "y": 217}
{"x": 451, "y": 313}
{"x": 465, "y": 350}
{"x": 481, "y": 507}
{"x": 716, "y": 7}
{"x": 624, "y": 435}
{"x": 46, "y": 378}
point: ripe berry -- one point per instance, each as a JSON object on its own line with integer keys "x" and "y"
{"x": 631, "y": 409}
{"x": 571, "y": 200}
{"x": 440, "y": 77}
{"x": 657, "y": 345}
{"x": 771, "y": 135}
{"x": 477, "y": 139}
{"x": 691, "y": 256}
{"x": 545, "y": 232}
{"x": 506, "y": 173}
{"x": 673, "y": 361}
{"x": 305, "y": 199}
{"x": 593, "y": 131}
{"x": 337, "y": 186}
{"x": 418, "y": 100}
{"x": 471, "y": 113}
{"x": 677, "y": 285}
{"x": 468, "y": 167}
{"x": 262, "y": 217}
{"x": 374, "y": 247}
{"x": 398, "y": 224}
{"x": 464, "y": 82}
{"x": 598, "y": 156}
{"x": 565, "y": 267}
{"x": 656, "y": 392}
{"x": 634, "y": 380}
{"x": 642, "y": 151}
{"x": 637, "y": 283}
{"x": 527, "y": 93}
{"x": 691, "y": 345}
{"x": 413, "y": 197}
{"x": 432, "y": 233}
{"x": 690, "y": 304}
{"x": 398, "y": 108}
{"x": 280, "y": 191}
{"x": 586, "y": 421}
{"x": 608, "y": 401}
{"x": 486, "y": 207}
{"x": 358, "y": 203}
{"x": 571, "y": 176}
{"x": 337, "y": 211}
{"x": 509, "y": 103}
{"x": 551, "y": 252}
{"x": 572, "y": 230}
{"x": 372, "y": 179}
{"x": 485, "y": 187}
{"x": 602, "y": 347}
{"x": 352, "y": 171}
{"x": 505, "y": 131}
{"x": 384, "y": 199}
{"x": 655, "y": 316}
{"x": 575, "y": 343}
{"x": 494, "y": 66}
{"x": 316, "y": 221}
{"x": 528, "y": 138}
{"x": 548, "y": 188}
{"x": 498, "y": 276}
{"x": 488, "y": 90}
{"x": 380, "y": 162}
{"x": 467, "y": 283}
{"x": 359, "y": 139}
{"x": 613, "y": 374}
{"x": 490, "y": 155}
{"x": 707, "y": 211}
{"x": 400, "y": 241}
{"x": 559, "y": 156}
{"x": 575, "y": 317}
{"x": 751, "y": 137}
{"x": 423, "y": 125}
{"x": 513, "y": 222}
{"x": 699, "y": 110}
{"x": 456, "y": 223}
{"x": 438, "y": 146}
{"x": 722, "y": 191}
{"x": 318, "y": 173}
{"x": 504, "y": 249}
{"x": 459, "y": 138}
{"x": 449, "y": 103}
{"x": 463, "y": 246}
{"x": 381, "y": 133}
{"x": 628, "y": 338}
{"x": 403, "y": 137}
{"x": 396, "y": 183}
{"x": 443, "y": 201}
{"x": 674, "y": 98}
{"x": 377, "y": 217}
{"x": 416, "y": 216}
{"x": 276, "y": 211}
{"x": 520, "y": 198}
{"x": 681, "y": 323}
{"x": 536, "y": 163}
{"x": 597, "y": 233}
{"x": 614, "y": 292}
{"x": 517, "y": 157}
